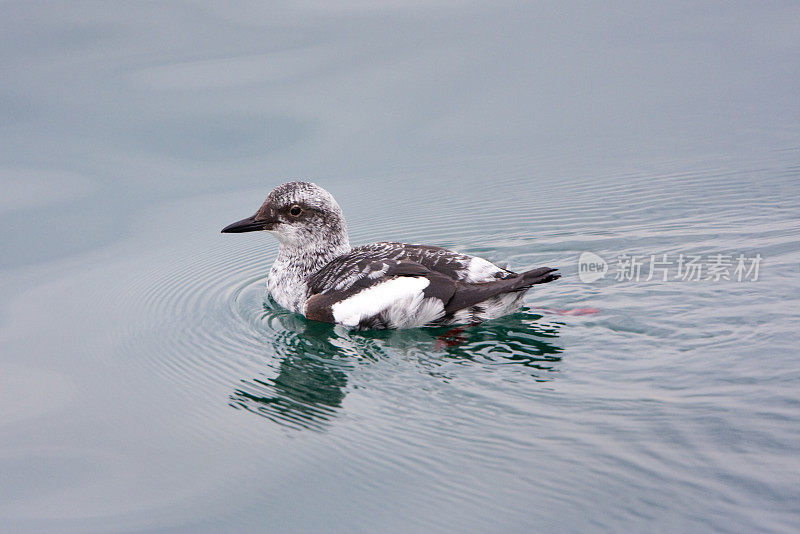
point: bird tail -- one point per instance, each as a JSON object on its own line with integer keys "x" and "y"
{"x": 540, "y": 275}
{"x": 469, "y": 294}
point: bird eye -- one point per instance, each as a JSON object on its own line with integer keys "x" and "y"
{"x": 295, "y": 211}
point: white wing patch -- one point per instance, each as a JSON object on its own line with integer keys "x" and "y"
{"x": 402, "y": 295}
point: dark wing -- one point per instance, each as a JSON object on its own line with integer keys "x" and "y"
{"x": 448, "y": 262}
{"x": 323, "y": 295}
{"x": 348, "y": 268}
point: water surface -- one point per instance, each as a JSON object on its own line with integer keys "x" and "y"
{"x": 148, "y": 383}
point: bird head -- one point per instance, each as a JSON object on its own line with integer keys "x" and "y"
{"x": 299, "y": 214}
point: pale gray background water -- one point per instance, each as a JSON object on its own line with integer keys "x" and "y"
{"x": 147, "y": 384}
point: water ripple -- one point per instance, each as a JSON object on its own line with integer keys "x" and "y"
{"x": 536, "y": 384}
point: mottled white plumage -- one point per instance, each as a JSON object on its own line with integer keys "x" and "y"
{"x": 380, "y": 285}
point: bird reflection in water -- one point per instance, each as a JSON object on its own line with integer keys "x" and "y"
{"x": 311, "y": 380}
{"x": 315, "y": 358}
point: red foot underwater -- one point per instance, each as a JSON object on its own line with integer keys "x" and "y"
{"x": 451, "y": 338}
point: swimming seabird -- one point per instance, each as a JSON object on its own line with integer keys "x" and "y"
{"x": 381, "y": 285}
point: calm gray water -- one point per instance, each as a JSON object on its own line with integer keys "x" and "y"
{"x": 148, "y": 384}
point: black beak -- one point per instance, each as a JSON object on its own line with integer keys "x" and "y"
{"x": 247, "y": 225}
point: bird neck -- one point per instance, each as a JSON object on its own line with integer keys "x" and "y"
{"x": 303, "y": 261}
{"x": 287, "y": 280}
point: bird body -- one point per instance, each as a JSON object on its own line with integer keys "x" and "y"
{"x": 379, "y": 285}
